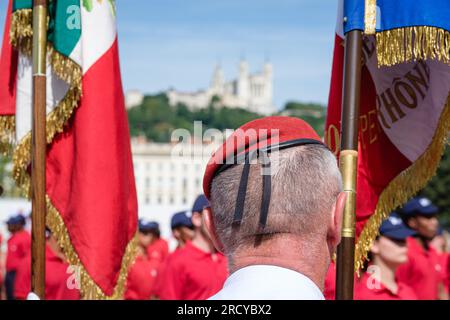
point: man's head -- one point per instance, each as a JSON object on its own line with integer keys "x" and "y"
{"x": 201, "y": 205}
{"x": 305, "y": 193}
{"x": 182, "y": 227}
{"x": 390, "y": 246}
{"x": 148, "y": 232}
{"x": 421, "y": 215}
{"x": 16, "y": 223}
{"x": 53, "y": 244}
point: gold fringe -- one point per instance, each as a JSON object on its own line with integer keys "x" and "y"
{"x": 7, "y": 134}
{"x": 21, "y": 37}
{"x": 89, "y": 289}
{"x": 55, "y": 124}
{"x": 370, "y": 16}
{"x": 70, "y": 72}
{"x": 411, "y": 44}
{"x": 406, "y": 184}
{"x": 21, "y": 32}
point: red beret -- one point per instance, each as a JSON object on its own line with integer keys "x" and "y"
{"x": 256, "y": 134}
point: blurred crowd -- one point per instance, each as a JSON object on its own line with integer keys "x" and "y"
{"x": 407, "y": 261}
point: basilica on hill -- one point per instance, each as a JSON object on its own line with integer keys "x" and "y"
{"x": 251, "y": 91}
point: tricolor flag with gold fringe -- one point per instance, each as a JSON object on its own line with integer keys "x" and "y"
{"x": 404, "y": 115}
{"x": 91, "y": 195}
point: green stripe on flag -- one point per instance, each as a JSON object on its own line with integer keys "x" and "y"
{"x": 65, "y": 25}
{"x": 22, "y": 4}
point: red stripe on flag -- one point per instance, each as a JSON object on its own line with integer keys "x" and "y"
{"x": 8, "y": 70}
{"x": 90, "y": 178}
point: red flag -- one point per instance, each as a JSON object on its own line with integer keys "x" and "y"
{"x": 8, "y": 75}
{"x": 91, "y": 195}
{"x": 403, "y": 123}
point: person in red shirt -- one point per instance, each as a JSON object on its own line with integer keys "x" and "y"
{"x": 18, "y": 248}
{"x": 61, "y": 281}
{"x": 158, "y": 249}
{"x": 387, "y": 253}
{"x": 182, "y": 231}
{"x": 143, "y": 273}
{"x": 196, "y": 271}
{"x": 421, "y": 272}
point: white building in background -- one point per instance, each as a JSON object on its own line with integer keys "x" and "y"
{"x": 168, "y": 178}
{"x": 169, "y": 174}
{"x": 252, "y": 91}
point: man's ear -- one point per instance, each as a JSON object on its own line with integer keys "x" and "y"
{"x": 196, "y": 219}
{"x": 412, "y": 223}
{"x": 210, "y": 228}
{"x": 374, "y": 248}
{"x": 335, "y": 225}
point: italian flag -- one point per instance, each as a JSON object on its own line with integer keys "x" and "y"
{"x": 91, "y": 195}
{"x": 404, "y": 118}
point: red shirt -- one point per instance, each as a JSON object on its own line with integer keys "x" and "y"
{"x": 158, "y": 250}
{"x": 363, "y": 291}
{"x": 192, "y": 274}
{"x": 19, "y": 246}
{"x": 159, "y": 282}
{"x": 442, "y": 268}
{"x": 141, "y": 279}
{"x": 57, "y": 279}
{"x": 421, "y": 272}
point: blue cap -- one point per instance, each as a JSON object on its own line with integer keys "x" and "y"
{"x": 181, "y": 219}
{"x": 11, "y": 220}
{"x": 200, "y": 203}
{"x": 394, "y": 228}
{"x": 17, "y": 219}
{"x": 21, "y": 219}
{"x": 418, "y": 206}
{"x": 145, "y": 225}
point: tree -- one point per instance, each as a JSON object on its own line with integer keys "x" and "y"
{"x": 438, "y": 189}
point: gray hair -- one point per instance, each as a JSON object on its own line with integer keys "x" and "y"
{"x": 305, "y": 185}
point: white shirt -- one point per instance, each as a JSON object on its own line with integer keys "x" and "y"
{"x": 267, "y": 282}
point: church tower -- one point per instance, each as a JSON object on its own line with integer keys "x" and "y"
{"x": 268, "y": 86}
{"x": 218, "y": 81}
{"x": 243, "y": 83}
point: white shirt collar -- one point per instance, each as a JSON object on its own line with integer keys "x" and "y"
{"x": 267, "y": 282}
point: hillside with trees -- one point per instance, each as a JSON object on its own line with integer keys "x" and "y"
{"x": 156, "y": 119}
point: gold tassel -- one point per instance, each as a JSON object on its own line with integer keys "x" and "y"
{"x": 411, "y": 44}
{"x": 7, "y": 134}
{"x": 70, "y": 72}
{"x": 406, "y": 184}
{"x": 21, "y": 32}
{"x": 88, "y": 288}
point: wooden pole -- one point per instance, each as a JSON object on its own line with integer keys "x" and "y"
{"x": 348, "y": 162}
{"x": 38, "y": 148}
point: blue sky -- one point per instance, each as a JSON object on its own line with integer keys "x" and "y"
{"x": 177, "y": 43}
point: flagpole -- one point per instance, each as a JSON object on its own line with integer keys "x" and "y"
{"x": 348, "y": 162}
{"x": 38, "y": 148}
